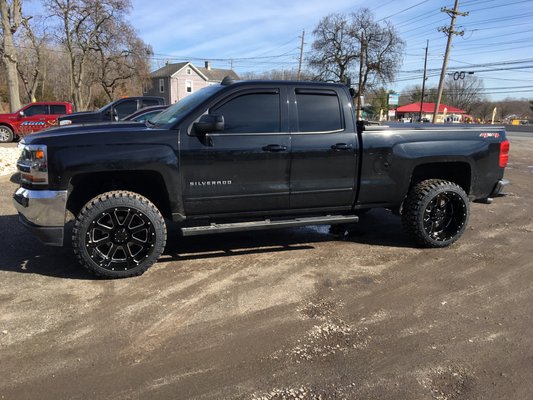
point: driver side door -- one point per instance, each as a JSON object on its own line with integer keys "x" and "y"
{"x": 246, "y": 166}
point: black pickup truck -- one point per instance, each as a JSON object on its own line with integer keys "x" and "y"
{"x": 245, "y": 156}
{"x": 114, "y": 111}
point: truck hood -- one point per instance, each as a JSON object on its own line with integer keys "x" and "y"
{"x": 81, "y": 117}
{"x": 8, "y": 117}
{"x": 90, "y": 133}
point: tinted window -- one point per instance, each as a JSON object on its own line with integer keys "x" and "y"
{"x": 318, "y": 112}
{"x": 126, "y": 108}
{"x": 149, "y": 102}
{"x": 145, "y": 116}
{"x": 36, "y": 110}
{"x": 58, "y": 109}
{"x": 251, "y": 113}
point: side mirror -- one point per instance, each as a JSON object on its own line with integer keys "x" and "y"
{"x": 208, "y": 123}
{"x": 21, "y": 114}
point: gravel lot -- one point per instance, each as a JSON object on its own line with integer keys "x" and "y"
{"x": 295, "y": 313}
{"x": 9, "y": 154}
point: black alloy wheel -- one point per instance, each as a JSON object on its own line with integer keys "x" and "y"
{"x": 119, "y": 234}
{"x": 435, "y": 213}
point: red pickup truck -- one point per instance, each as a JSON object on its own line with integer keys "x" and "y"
{"x": 31, "y": 118}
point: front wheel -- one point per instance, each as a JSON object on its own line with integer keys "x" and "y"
{"x": 6, "y": 134}
{"x": 435, "y": 213}
{"x": 119, "y": 234}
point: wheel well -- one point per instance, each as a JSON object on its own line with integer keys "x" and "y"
{"x": 457, "y": 172}
{"x": 149, "y": 184}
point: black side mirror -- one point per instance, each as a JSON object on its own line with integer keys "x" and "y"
{"x": 21, "y": 114}
{"x": 208, "y": 123}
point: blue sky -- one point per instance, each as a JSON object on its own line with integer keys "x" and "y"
{"x": 230, "y": 32}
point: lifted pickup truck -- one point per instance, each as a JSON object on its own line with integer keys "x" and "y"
{"x": 114, "y": 111}
{"x": 245, "y": 156}
{"x": 31, "y": 118}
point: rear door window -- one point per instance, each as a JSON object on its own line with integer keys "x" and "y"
{"x": 318, "y": 111}
{"x": 126, "y": 108}
{"x": 58, "y": 109}
{"x": 149, "y": 102}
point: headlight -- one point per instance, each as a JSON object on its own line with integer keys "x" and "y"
{"x": 33, "y": 164}
{"x": 65, "y": 122}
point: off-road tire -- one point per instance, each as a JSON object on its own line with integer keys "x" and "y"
{"x": 435, "y": 213}
{"x": 6, "y": 134}
{"x": 118, "y": 234}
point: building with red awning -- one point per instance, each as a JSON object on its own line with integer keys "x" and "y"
{"x": 411, "y": 113}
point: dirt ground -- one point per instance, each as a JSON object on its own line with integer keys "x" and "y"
{"x": 287, "y": 314}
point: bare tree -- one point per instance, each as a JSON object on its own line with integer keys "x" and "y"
{"x": 464, "y": 93}
{"x": 382, "y": 49}
{"x": 278, "y": 74}
{"x": 413, "y": 94}
{"x": 122, "y": 57}
{"x": 341, "y": 40}
{"x": 29, "y": 66}
{"x": 334, "y": 49}
{"x": 11, "y": 19}
{"x": 81, "y": 23}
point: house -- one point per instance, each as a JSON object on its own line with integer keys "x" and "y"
{"x": 445, "y": 113}
{"x": 176, "y": 81}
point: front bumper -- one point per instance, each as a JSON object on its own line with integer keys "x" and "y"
{"x": 43, "y": 213}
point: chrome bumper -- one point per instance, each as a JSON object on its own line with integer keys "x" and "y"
{"x": 43, "y": 213}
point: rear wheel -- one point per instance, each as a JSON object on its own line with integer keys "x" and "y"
{"x": 119, "y": 234}
{"x": 6, "y": 134}
{"x": 435, "y": 213}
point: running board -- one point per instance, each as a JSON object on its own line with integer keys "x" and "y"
{"x": 268, "y": 224}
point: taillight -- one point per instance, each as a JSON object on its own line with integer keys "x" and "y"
{"x": 504, "y": 153}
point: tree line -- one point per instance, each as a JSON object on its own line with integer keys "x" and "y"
{"x": 84, "y": 51}
{"x": 87, "y": 52}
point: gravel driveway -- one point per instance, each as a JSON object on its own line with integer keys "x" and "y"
{"x": 295, "y": 313}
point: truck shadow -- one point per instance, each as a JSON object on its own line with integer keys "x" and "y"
{"x": 22, "y": 253}
{"x": 377, "y": 227}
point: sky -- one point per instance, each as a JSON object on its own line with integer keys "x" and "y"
{"x": 260, "y": 35}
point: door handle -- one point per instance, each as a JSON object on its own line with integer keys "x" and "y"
{"x": 274, "y": 148}
{"x": 341, "y": 146}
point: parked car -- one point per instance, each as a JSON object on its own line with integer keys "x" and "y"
{"x": 31, "y": 118}
{"x": 145, "y": 113}
{"x": 242, "y": 156}
{"x": 113, "y": 111}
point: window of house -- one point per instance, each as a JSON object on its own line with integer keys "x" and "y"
{"x": 58, "y": 109}
{"x": 161, "y": 86}
{"x": 251, "y": 113}
{"x": 318, "y": 111}
{"x": 188, "y": 86}
{"x": 189, "y": 71}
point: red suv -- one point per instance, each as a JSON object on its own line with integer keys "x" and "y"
{"x": 31, "y": 118}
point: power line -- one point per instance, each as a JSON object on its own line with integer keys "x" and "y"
{"x": 402, "y": 11}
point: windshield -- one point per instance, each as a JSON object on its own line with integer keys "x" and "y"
{"x": 182, "y": 107}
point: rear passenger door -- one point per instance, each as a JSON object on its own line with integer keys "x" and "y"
{"x": 324, "y": 149}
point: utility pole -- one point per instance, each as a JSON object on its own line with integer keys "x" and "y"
{"x": 424, "y": 79}
{"x": 450, "y": 32}
{"x": 360, "y": 86}
{"x": 301, "y": 55}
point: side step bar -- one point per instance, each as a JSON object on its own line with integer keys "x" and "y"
{"x": 268, "y": 224}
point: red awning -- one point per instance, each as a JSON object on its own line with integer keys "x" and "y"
{"x": 428, "y": 108}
